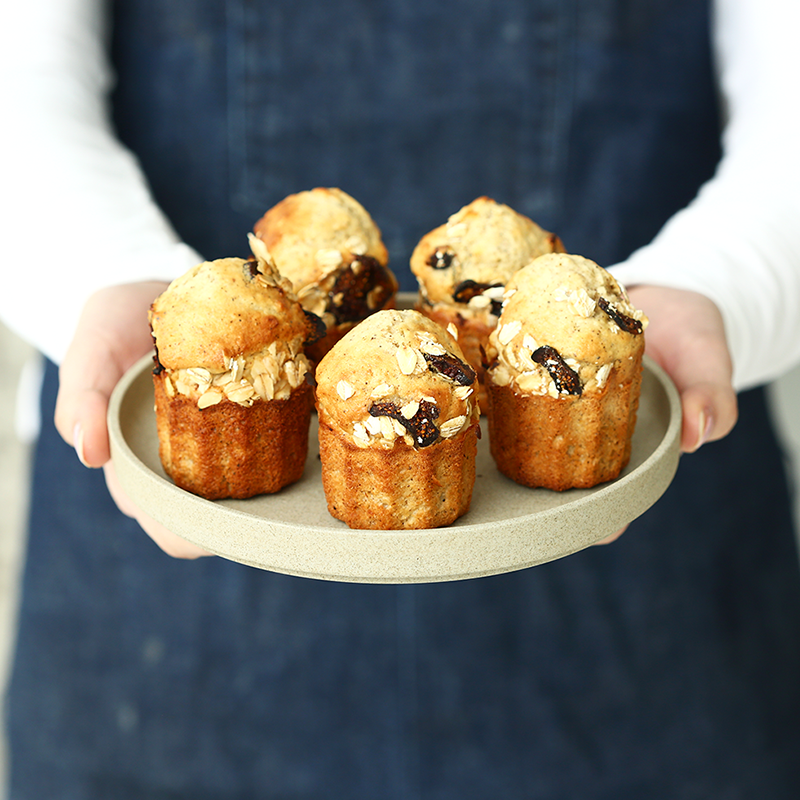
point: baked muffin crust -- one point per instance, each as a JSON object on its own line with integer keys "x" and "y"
{"x": 398, "y": 424}
{"x": 232, "y": 403}
{"x": 330, "y": 248}
{"x": 565, "y": 324}
{"x": 231, "y": 328}
{"x": 462, "y": 268}
{"x": 468, "y": 260}
{"x": 390, "y": 374}
{"x": 565, "y": 375}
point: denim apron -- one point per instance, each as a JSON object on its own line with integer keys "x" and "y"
{"x": 664, "y": 667}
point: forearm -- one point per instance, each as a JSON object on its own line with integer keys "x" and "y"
{"x": 81, "y": 216}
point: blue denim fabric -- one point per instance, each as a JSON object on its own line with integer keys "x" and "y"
{"x": 596, "y": 118}
{"x": 664, "y": 667}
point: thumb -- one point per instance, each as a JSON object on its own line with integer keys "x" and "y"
{"x": 81, "y": 410}
{"x": 686, "y": 336}
{"x": 112, "y": 334}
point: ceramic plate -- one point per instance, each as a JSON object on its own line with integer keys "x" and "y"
{"x": 508, "y": 527}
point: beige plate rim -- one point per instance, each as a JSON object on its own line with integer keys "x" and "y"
{"x": 507, "y": 528}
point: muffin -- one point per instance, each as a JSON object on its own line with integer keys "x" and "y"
{"x": 232, "y": 402}
{"x": 330, "y": 248}
{"x": 565, "y": 366}
{"x": 398, "y": 424}
{"x": 463, "y": 266}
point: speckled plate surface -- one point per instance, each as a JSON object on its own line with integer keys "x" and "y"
{"x": 508, "y": 527}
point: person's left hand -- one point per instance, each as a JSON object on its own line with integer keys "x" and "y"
{"x": 686, "y": 337}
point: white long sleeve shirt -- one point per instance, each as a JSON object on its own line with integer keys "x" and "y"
{"x": 82, "y": 216}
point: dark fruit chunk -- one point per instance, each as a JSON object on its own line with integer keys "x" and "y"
{"x": 451, "y": 367}
{"x": 362, "y": 287}
{"x": 317, "y": 327}
{"x": 628, "y": 324}
{"x": 468, "y": 289}
{"x": 421, "y": 426}
{"x": 441, "y": 258}
{"x": 566, "y": 379}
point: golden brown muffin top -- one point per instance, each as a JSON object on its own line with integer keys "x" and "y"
{"x": 397, "y": 375}
{"x": 565, "y": 323}
{"x": 314, "y": 237}
{"x": 224, "y": 310}
{"x": 473, "y": 255}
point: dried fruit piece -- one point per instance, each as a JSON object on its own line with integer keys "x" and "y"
{"x": 565, "y": 379}
{"x": 317, "y": 327}
{"x": 158, "y": 367}
{"x": 360, "y": 288}
{"x": 441, "y": 258}
{"x": 250, "y": 269}
{"x": 451, "y": 368}
{"x": 468, "y": 289}
{"x": 628, "y": 324}
{"x": 421, "y": 426}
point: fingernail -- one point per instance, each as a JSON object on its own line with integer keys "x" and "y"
{"x": 705, "y": 424}
{"x": 77, "y": 441}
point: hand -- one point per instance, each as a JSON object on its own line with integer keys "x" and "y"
{"x": 686, "y": 337}
{"x": 113, "y": 334}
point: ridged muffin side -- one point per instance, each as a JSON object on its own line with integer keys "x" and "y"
{"x": 564, "y": 376}
{"x": 233, "y": 405}
{"x": 398, "y": 424}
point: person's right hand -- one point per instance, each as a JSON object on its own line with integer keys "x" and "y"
{"x": 112, "y": 335}
{"x": 686, "y": 336}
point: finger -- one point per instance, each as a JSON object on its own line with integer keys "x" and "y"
{"x": 172, "y": 544}
{"x": 686, "y": 336}
{"x": 82, "y": 424}
{"x": 709, "y": 413}
{"x": 613, "y": 537}
{"x": 112, "y": 334}
{"x": 86, "y": 380}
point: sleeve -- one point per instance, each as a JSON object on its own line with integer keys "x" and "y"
{"x": 82, "y": 216}
{"x": 738, "y": 242}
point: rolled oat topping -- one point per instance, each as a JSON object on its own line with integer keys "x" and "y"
{"x": 579, "y": 299}
{"x": 602, "y": 375}
{"x": 271, "y": 375}
{"x": 344, "y": 390}
{"x": 382, "y": 390}
{"x": 406, "y": 359}
{"x": 508, "y": 331}
{"x": 455, "y": 230}
{"x": 328, "y": 260}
